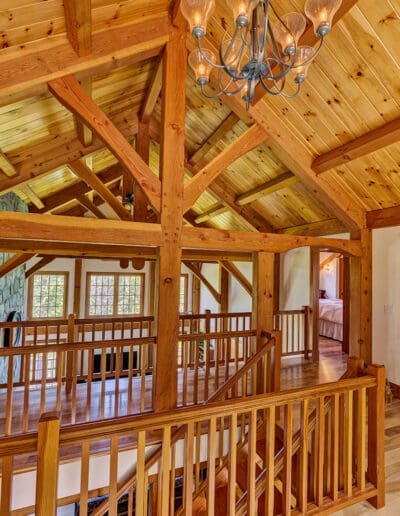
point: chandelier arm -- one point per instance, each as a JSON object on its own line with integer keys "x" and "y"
{"x": 224, "y": 89}
{"x": 204, "y": 56}
{"x": 277, "y": 91}
{"x": 221, "y": 92}
{"x": 280, "y": 75}
{"x": 224, "y": 64}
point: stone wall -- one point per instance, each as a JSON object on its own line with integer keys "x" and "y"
{"x": 12, "y": 286}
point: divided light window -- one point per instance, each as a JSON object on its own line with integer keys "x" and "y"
{"x": 48, "y": 295}
{"x": 114, "y": 294}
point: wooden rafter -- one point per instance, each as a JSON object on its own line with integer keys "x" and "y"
{"x": 197, "y": 158}
{"x": 46, "y": 158}
{"x": 383, "y": 218}
{"x": 212, "y": 212}
{"x": 78, "y": 23}
{"x": 84, "y": 133}
{"x": 278, "y": 183}
{"x": 320, "y": 228}
{"x": 32, "y": 196}
{"x": 45, "y": 260}
{"x": 253, "y": 137}
{"x": 238, "y": 275}
{"x": 90, "y": 206}
{"x": 196, "y": 271}
{"x": 68, "y": 91}
{"x": 112, "y": 47}
{"x": 152, "y": 94}
{"x": 15, "y": 261}
{"x": 370, "y": 142}
{"x": 90, "y": 178}
{"x": 6, "y": 166}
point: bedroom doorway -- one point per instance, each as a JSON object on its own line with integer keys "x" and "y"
{"x": 332, "y": 305}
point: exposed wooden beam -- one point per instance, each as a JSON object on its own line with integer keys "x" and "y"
{"x": 112, "y": 48}
{"x": 309, "y": 38}
{"x": 6, "y": 166}
{"x": 90, "y": 178}
{"x": 209, "y": 214}
{"x": 45, "y": 260}
{"x": 238, "y": 275}
{"x": 75, "y": 191}
{"x": 320, "y": 228}
{"x": 78, "y": 24}
{"x": 45, "y": 158}
{"x": 196, "y": 159}
{"x": 253, "y": 137}
{"x": 14, "y": 262}
{"x": 90, "y": 206}
{"x": 383, "y": 218}
{"x": 84, "y": 133}
{"x": 216, "y": 295}
{"x": 153, "y": 93}
{"x": 199, "y": 238}
{"x": 278, "y": 183}
{"x": 370, "y": 142}
{"x": 32, "y": 196}
{"x": 68, "y": 91}
{"x": 328, "y": 260}
{"x": 85, "y": 230}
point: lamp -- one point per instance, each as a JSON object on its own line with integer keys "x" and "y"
{"x": 263, "y": 48}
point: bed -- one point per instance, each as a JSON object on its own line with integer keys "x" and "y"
{"x": 331, "y": 318}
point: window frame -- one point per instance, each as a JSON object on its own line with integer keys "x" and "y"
{"x": 30, "y": 294}
{"x": 116, "y": 276}
{"x": 185, "y": 294}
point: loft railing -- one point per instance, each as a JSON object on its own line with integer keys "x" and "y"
{"x": 338, "y": 461}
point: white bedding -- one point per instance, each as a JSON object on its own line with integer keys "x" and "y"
{"x": 331, "y": 318}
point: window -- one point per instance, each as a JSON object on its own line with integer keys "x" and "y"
{"x": 113, "y": 294}
{"x": 183, "y": 290}
{"x": 48, "y": 295}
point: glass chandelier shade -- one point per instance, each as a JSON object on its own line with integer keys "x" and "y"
{"x": 262, "y": 49}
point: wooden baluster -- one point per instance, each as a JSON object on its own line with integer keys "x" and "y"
{"x": 188, "y": 469}
{"x": 84, "y": 488}
{"x": 47, "y": 464}
{"x": 164, "y": 471}
{"x": 69, "y": 360}
{"x": 287, "y": 467}
{"x": 140, "y": 475}
{"x": 90, "y": 363}
{"x": 376, "y": 436}
{"x": 74, "y": 384}
{"x": 130, "y": 375}
{"x": 103, "y": 363}
{"x": 319, "y": 457}
{"x": 198, "y": 456}
{"x": 277, "y": 362}
{"x": 172, "y": 480}
{"x": 217, "y": 353}
{"x": 334, "y": 466}
{"x": 196, "y": 372}
{"x": 185, "y": 358}
{"x": 348, "y": 443}
{"x": 306, "y": 334}
{"x": 232, "y": 458}
{"x": 212, "y": 431}
{"x": 9, "y": 396}
{"x": 303, "y": 458}
{"x": 251, "y": 464}
{"x": 269, "y": 460}
{"x": 43, "y": 383}
{"x": 361, "y": 438}
{"x": 27, "y": 382}
{"x": 207, "y": 358}
{"x": 142, "y": 377}
{"x": 6, "y": 484}
{"x": 118, "y": 367}
{"x": 113, "y": 479}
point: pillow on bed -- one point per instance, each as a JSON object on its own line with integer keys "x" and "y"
{"x": 322, "y": 294}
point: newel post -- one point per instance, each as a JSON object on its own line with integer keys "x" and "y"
{"x": 70, "y": 355}
{"x": 207, "y": 321}
{"x": 376, "y": 435}
{"x": 47, "y": 464}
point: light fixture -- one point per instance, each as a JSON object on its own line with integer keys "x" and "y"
{"x": 263, "y": 48}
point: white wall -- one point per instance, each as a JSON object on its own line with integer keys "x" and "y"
{"x": 239, "y": 299}
{"x": 386, "y": 300}
{"x": 207, "y": 302}
{"x": 328, "y": 277}
{"x": 295, "y": 279}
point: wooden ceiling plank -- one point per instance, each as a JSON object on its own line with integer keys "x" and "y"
{"x": 91, "y": 179}
{"x": 209, "y": 214}
{"x": 214, "y": 138}
{"x": 370, "y": 142}
{"x": 78, "y": 23}
{"x": 82, "y": 230}
{"x": 6, "y": 166}
{"x": 253, "y": 137}
{"x": 112, "y": 48}
{"x": 48, "y": 158}
{"x": 153, "y": 93}
{"x": 68, "y": 91}
{"x": 15, "y": 261}
{"x": 200, "y": 238}
{"x": 278, "y": 183}
{"x": 45, "y": 260}
{"x": 84, "y": 133}
{"x": 90, "y": 206}
{"x": 238, "y": 275}
{"x": 383, "y": 218}
{"x": 216, "y": 295}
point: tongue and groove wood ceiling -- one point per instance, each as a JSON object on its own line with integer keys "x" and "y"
{"x": 297, "y": 180}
